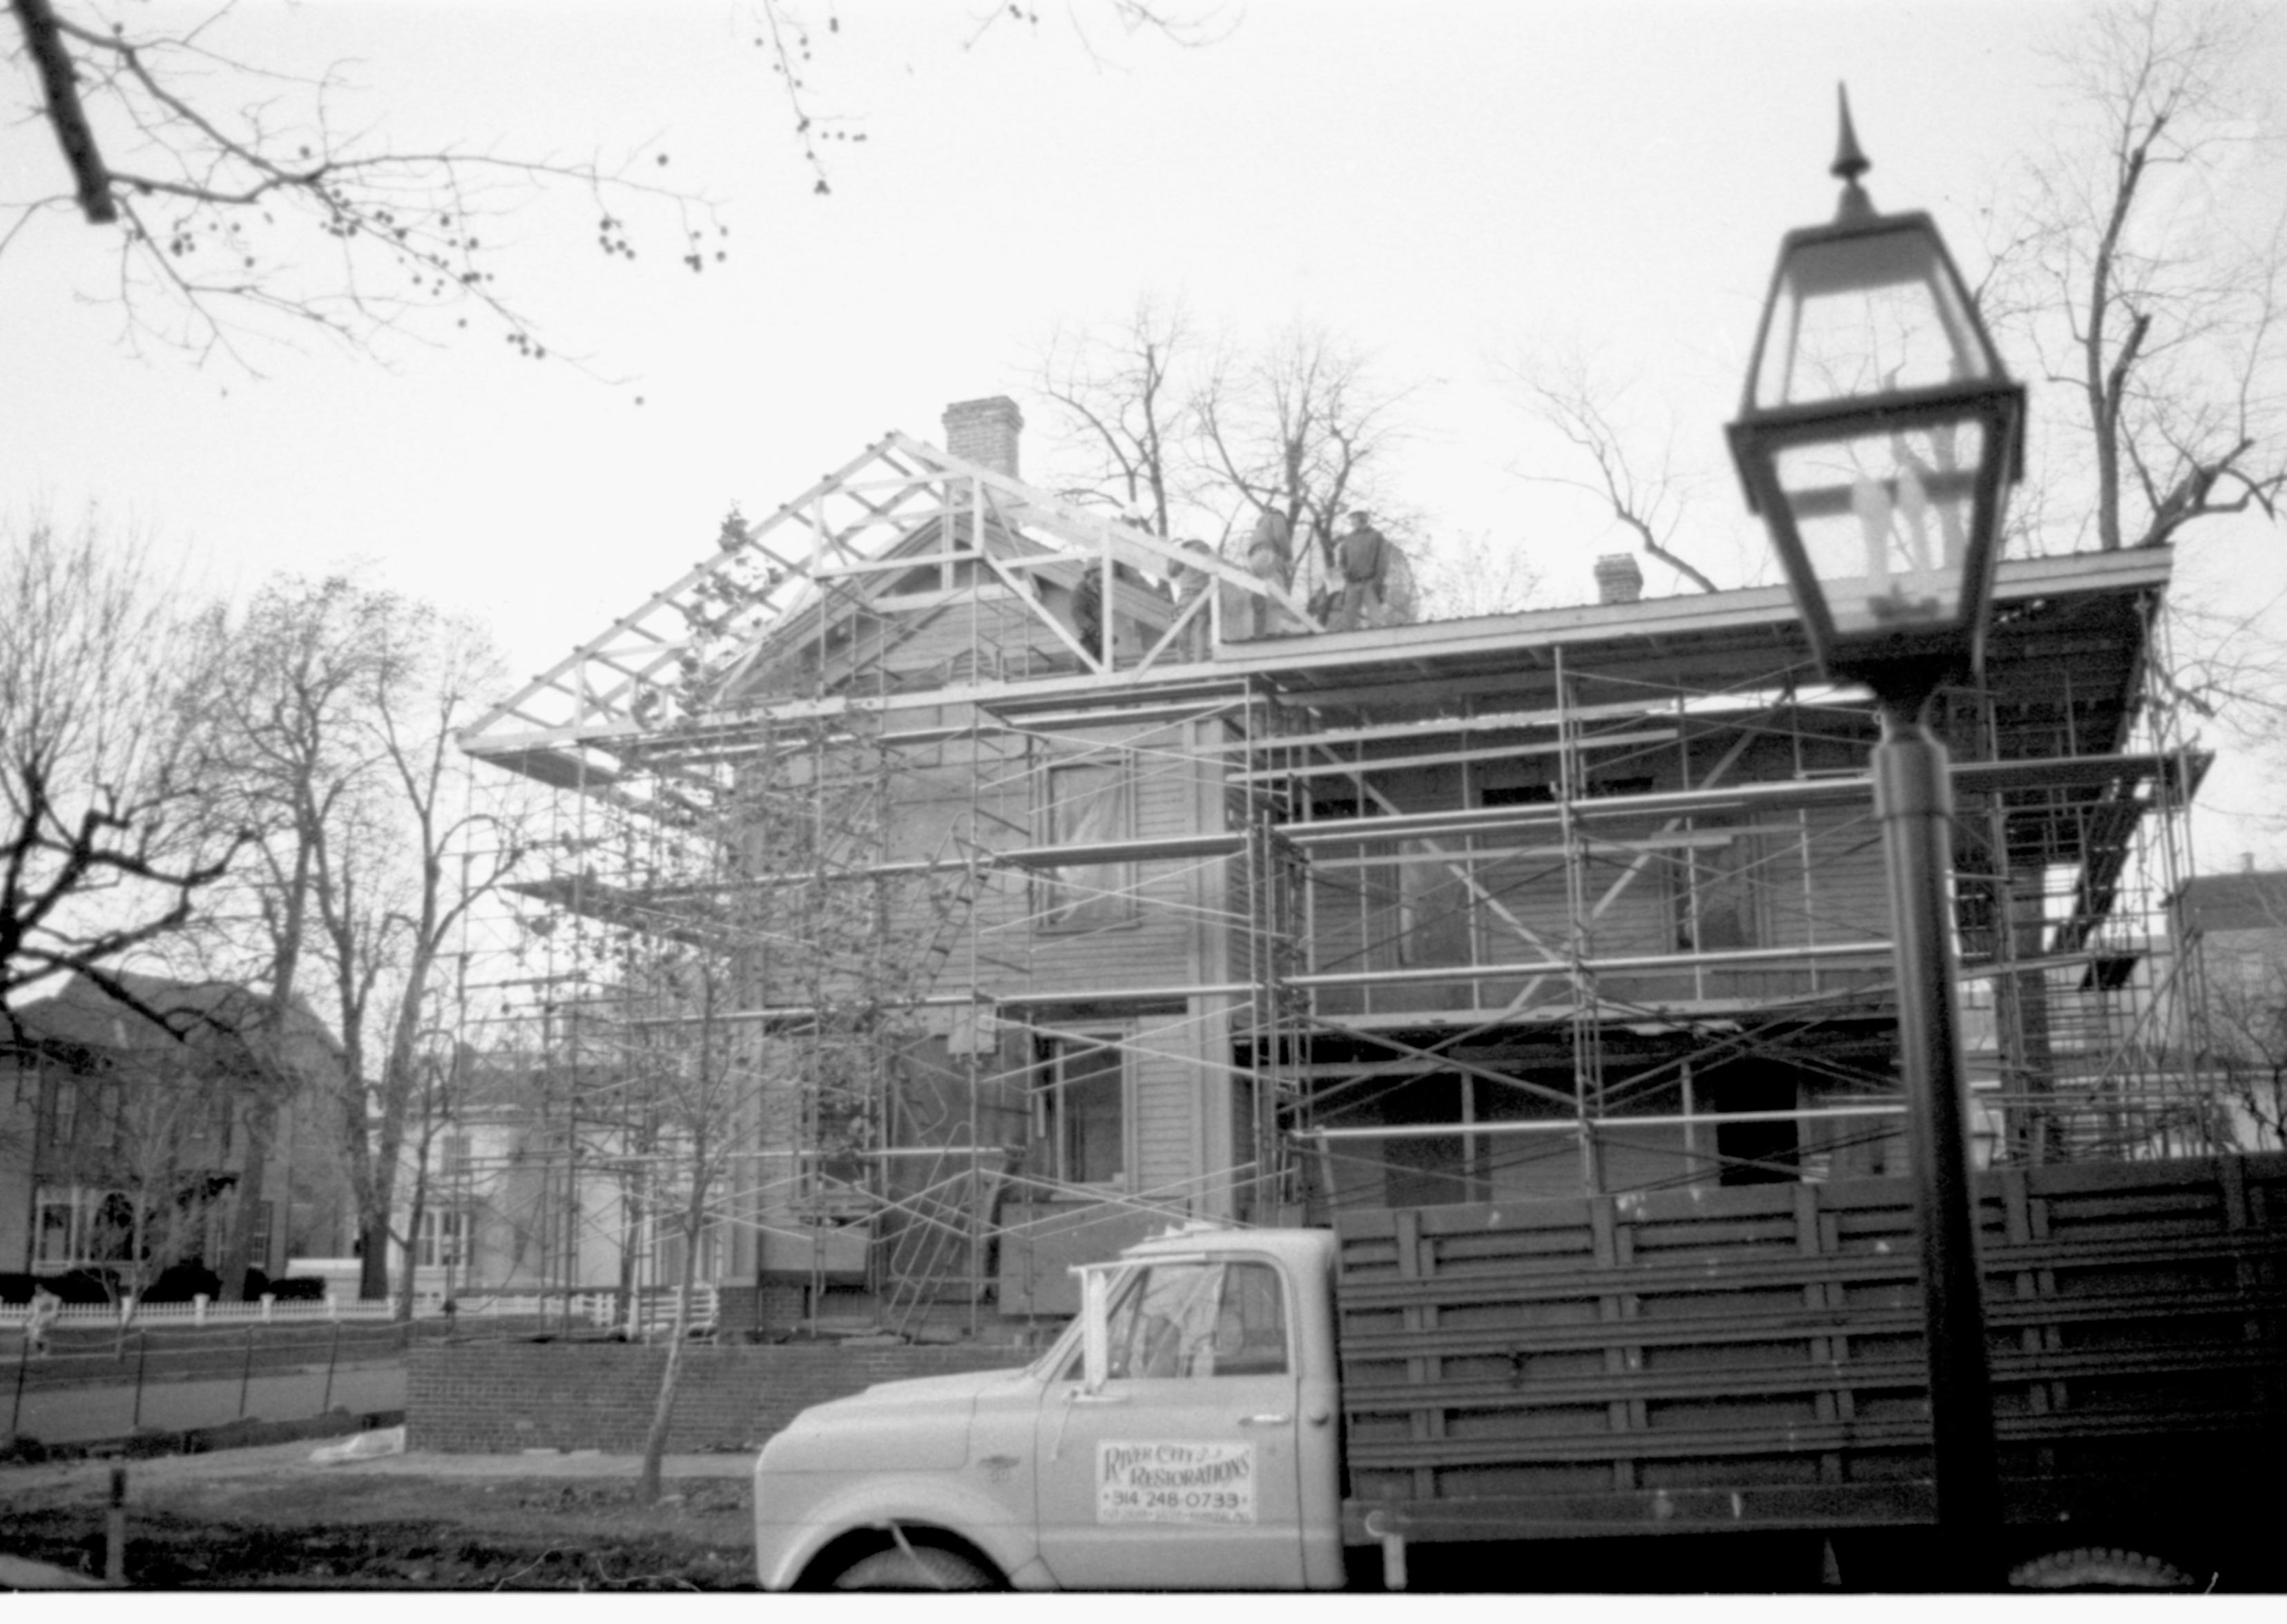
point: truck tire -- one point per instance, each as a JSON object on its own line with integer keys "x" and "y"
{"x": 925, "y": 1567}
{"x": 2091, "y": 1567}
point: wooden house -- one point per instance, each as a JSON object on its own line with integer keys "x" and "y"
{"x": 1180, "y": 905}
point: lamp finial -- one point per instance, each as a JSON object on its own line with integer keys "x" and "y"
{"x": 1849, "y": 163}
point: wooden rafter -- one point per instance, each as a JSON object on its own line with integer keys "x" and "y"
{"x": 852, "y": 536}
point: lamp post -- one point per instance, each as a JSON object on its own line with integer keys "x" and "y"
{"x": 1876, "y": 439}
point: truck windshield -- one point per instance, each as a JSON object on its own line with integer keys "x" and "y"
{"x": 1180, "y": 1319}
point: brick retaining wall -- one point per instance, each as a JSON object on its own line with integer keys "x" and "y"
{"x": 498, "y": 1398}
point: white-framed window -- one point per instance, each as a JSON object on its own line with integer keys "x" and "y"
{"x": 265, "y": 1214}
{"x": 667, "y": 1256}
{"x": 60, "y": 1226}
{"x": 444, "y": 1239}
{"x": 1089, "y": 801}
{"x": 1081, "y": 1109}
{"x": 78, "y": 1225}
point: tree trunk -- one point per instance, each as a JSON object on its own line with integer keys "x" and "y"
{"x": 133, "y": 1292}
{"x": 275, "y": 1075}
{"x": 373, "y": 1265}
{"x": 631, "y": 1234}
{"x": 663, "y": 1416}
{"x": 413, "y": 1239}
{"x": 237, "y": 1258}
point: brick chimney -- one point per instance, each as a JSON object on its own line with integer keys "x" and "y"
{"x": 984, "y": 431}
{"x": 1618, "y": 579}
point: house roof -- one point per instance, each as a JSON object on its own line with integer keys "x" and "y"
{"x": 83, "y": 1013}
{"x": 838, "y": 553}
{"x": 2246, "y": 900}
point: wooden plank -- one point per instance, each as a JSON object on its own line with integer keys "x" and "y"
{"x": 1623, "y": 1413}
{"x": 1428, "y": 1424}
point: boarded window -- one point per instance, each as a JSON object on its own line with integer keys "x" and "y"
{"x": 1718, "y": 893}
{"x": 1088, "y": 804}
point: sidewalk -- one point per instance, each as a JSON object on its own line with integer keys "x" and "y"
{"x": 294, "y": 1460}
{"x": 91, "y": 1414}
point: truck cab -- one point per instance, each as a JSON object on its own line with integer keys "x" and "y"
{"x": 1181, "y": 1433}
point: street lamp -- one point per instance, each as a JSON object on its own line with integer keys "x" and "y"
{"x": 1877, "y": 439}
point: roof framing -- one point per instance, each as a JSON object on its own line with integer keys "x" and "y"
{"x": 841, "y": 544}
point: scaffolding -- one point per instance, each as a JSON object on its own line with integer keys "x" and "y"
{"x": 1088, "y": 911}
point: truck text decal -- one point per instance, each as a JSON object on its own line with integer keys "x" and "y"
{"x": 1174, "y": 1483}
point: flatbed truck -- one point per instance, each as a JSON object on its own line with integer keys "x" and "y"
{"x": 1694, "y": 1390}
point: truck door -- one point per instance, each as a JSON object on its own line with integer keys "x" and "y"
{"x": 1179, "y": 1470}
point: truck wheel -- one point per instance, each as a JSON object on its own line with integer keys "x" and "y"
{"x": 2099, "y": 1568}
{"x": 925, "y": 1568}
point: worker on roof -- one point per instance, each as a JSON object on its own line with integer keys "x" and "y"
{"x": 1270, "y": 558}
{"x": 1360, "y": 561}
{"x": 1190, "y": 583}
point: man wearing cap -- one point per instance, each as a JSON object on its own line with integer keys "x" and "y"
{"x": 1360, "y": 558}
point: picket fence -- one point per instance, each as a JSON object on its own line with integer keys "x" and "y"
{"x": 652, "y": 1312}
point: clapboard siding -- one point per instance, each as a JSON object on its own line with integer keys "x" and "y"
{"x": 1164, "y": 1104}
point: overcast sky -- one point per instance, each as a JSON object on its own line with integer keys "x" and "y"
{"x": 1437, "y": 182}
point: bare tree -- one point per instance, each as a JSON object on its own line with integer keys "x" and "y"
{"x": 2142, "y": 258}
{"x": 792, "y": 36}
{"x": 1209, "y": 438}
{"x": 700, "y": 1084}
{"x": 244, "y": 201}
{"x": 1613, "y": 455}
{"x": 107, "y": 843}
{"x": 158, "y": 1155}
{"x": 1302, "y": 427}
{"x": 1473, "y": 575}
{"x": 1123, "y": 389}
{"x": 768, "y": 894}
{"x": 336, "y": 738}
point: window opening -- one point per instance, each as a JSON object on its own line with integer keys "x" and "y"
{"x": 1088, "y": 803}
{"x": 1083, "y": 1111}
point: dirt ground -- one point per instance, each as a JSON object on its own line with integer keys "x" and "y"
{"x": 280, "y": 1524}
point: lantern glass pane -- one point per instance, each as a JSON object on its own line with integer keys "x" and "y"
{"x": 1884, "y": 521}
{"x": 1866, "y": 316}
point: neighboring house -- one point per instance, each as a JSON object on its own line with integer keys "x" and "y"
{"x": 2236, "y": 924}
{"x": 1503, "y": 909}
{"x": 503, "y": 1208}
{"x": 120, "y": 1136}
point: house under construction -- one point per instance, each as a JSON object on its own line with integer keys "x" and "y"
{"x": 1088, "y": 885}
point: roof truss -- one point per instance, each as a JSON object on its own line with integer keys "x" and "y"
{"x": 839, "y": 548}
